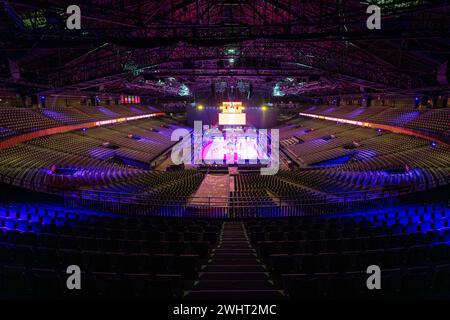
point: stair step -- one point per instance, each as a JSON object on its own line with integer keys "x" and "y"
{"x": 234, "y": 243}
{"x": 242, "y": 276}
{"x": 243, "y": 245}
{"x": 233, "y": 236}
{"x": 235, "y": 295}
{"x": 233, "y": 285}
{"x": 233, "y": 261}
{"x": 238, "y": 255}
{"x": 239, "y": 246}
{"x": 234, "y": 268}
{"x": 234, "y": 250}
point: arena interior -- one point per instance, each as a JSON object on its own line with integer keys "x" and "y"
{"x": 218, "y": 150}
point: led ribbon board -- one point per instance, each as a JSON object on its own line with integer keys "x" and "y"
{"x": 401, "y": 130}
{"x": 353, "y": 122}
{"x": 144, "y": 116}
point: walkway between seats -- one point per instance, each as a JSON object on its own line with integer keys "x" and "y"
{"x": 233, "y": 271}
{"x": 213, "y": 191}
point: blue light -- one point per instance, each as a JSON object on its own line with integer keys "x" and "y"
{"x": 277, "y": 92}
{"x": 433, "y": 144}
{"x": 184, "y": 91}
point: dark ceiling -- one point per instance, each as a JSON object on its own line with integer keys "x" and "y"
{"x": 304, "y": 48}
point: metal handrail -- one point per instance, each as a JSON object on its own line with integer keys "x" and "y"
{"x": 148, "y": 199}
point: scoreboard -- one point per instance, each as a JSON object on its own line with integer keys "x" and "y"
{"x": 232, "y": 114}
{"x": 236, "y": 119}
{"x": 130, "y": 99}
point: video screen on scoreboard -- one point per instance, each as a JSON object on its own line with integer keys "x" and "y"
{"x": 237, "y": 119}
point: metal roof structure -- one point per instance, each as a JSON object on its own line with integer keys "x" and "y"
{"x": 161, "y": 47}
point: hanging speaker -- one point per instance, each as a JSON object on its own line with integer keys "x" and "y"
{"x": 14, "y": 69}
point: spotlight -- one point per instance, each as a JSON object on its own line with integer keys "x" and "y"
{"x": 263, "y": 108}
{"x": 433, "y": 144}
{"x": 199, "y": 107}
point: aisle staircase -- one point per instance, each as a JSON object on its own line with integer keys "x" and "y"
{"x": 233, "y": 271}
